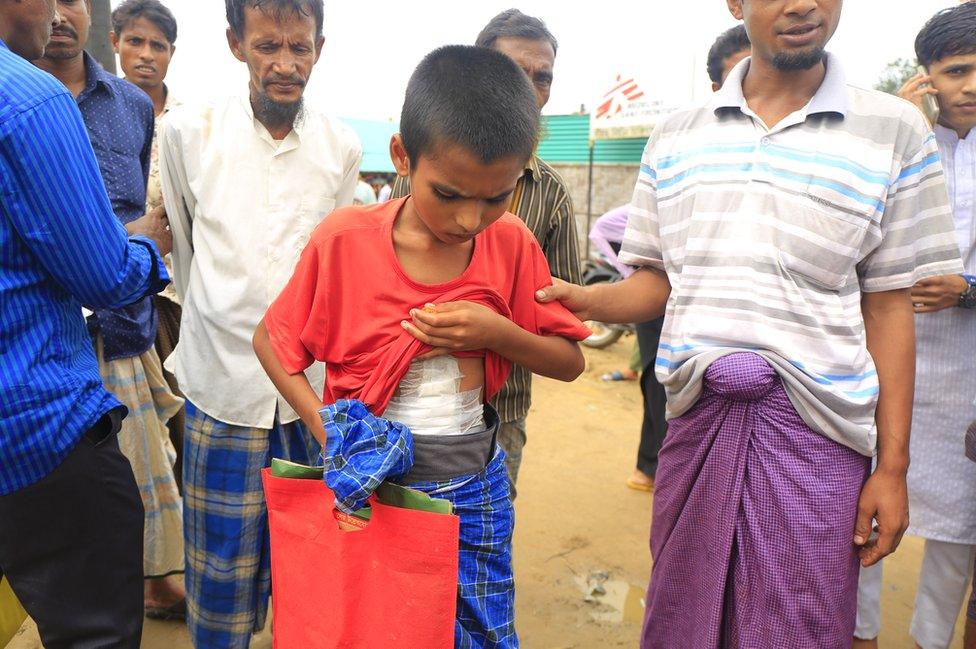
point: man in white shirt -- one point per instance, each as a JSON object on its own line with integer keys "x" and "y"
{"x": 245, "y": 181}
{"x": 941, "y": 480}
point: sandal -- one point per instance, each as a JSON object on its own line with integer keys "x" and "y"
{"x": 616, "y": 375}
{"x": 640, "y": 486}
{"x": 172, "y": 613}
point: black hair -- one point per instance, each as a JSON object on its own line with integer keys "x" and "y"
{"x": 473, "y": 97}
{"x": 512, "y": 23}
{"x": 277, "y": 8}
{"x": 152, "y": 10}
{"x": 728, "y": 43}
{"x": 951, "y": 32}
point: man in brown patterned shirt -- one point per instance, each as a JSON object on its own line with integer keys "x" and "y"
{"x": 540, "y": 199}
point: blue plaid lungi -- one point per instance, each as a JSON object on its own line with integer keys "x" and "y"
{"x": 228, "y": 560}
{"x": 486, "y": 584}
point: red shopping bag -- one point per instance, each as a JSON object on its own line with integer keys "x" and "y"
{"x": 392, "y": 584}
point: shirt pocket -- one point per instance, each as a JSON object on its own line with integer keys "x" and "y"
{"x": 818, "y": 243}
{"x": 313, "y": 211}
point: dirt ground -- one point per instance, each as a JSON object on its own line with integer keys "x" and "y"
{"x": 581, "y": 534}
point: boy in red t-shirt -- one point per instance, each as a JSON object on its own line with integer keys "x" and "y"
{"x": 419, "y": 306}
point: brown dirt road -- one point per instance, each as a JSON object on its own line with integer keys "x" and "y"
{"x": 579, "y": 528}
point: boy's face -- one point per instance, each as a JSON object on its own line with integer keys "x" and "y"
{"x": 955, "y": 79}
{"x": 455, "y": 194}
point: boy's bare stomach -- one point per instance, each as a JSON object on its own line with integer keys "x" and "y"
{"x": 472, "y": 373}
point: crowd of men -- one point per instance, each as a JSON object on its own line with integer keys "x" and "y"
{"x": 805, "y": 257}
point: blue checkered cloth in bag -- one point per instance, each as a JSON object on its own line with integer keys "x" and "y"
{"x": 361, "y": 451}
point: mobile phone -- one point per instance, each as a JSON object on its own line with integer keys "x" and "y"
{"x": 930, "y": 105}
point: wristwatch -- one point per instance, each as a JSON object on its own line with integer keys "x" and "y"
{"x": 968, "y": 298}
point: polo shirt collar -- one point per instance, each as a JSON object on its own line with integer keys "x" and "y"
{"x": 532, "y": 167}
{"x": 831, "y": 97}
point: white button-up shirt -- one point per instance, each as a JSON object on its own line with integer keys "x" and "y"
{"x": 241, "y": 207}
{"x": 959, "y": 162}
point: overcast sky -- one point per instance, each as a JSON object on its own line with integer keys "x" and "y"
{"x": 372, "y": 46}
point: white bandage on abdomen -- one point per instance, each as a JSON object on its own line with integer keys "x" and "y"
{"x": 429, "y": 400}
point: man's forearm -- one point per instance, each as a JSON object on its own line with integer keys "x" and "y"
{"x": 890, "y": 328}
{"x": 640, "y": 298}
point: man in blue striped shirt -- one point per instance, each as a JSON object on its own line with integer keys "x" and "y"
{"x": 69, "y": 507}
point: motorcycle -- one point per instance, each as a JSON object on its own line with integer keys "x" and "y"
{"x": 599, "y": 270}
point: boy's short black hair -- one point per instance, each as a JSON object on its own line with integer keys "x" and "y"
{"x": 313, "y": 8}
{"x": 152, "y": 10}
{"x": 728, "y": 43}
{"x": 474, "y": 97}
{"x": 512, "y": 23}
{"x": 951, "y": 32}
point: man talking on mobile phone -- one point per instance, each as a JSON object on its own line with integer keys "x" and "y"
{"x": 941, "y": 480}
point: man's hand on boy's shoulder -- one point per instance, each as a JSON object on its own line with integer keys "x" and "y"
{"x": 456, "y": 326}
{"x": 573, "y": 297}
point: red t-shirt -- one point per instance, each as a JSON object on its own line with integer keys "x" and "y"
{"x": 344, "y": 304}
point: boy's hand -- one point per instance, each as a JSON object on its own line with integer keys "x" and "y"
{"x": 884, "y": 498}
{"x": 454, "y": 327}
{"x": 573, "y": 297}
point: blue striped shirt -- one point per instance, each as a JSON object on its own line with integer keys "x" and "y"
{"x": 61, "y": 247}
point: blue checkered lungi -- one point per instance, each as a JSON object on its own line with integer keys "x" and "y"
{"x": 486, "y": 585}
{"x": 228, "y": 560}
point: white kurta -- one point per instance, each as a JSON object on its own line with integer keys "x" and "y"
{"x": 242, "y": 207}
{"x": 941, "y": 480}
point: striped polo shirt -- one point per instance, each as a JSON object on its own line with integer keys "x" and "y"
{"x": 769, "y": 236}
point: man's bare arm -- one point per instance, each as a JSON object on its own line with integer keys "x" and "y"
{"x": 890, "y": 327}
{"x": 640, "y": 298}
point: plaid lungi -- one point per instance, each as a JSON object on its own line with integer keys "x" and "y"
{"x": 753, "y": 522}
{"x": 228, "y": 562}
{"x": 486, "y": 584}
{"x": 138, "y": 383}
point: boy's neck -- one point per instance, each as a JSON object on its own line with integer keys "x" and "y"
{"x": 422, "y": 256}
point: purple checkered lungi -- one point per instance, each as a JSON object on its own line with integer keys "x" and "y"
{"x": 753, "y": 524}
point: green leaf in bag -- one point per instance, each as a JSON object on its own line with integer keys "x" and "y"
{"x": 387, "y": 493}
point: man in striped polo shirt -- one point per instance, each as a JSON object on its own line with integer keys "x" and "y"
{"x": 783, "y": 225}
